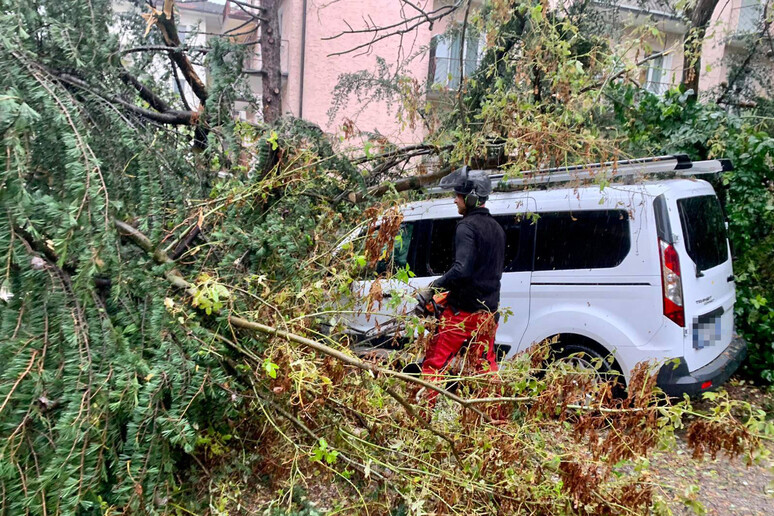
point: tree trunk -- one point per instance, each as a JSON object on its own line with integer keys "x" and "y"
{"x": 698, "y": 18}
{"x": 271, "y": 76}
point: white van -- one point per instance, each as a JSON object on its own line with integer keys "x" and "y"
{"x": 641, "y": 272}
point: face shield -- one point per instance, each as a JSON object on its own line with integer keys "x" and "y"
{"x": 466, "y": 181}
{"x": 457, "y": 180}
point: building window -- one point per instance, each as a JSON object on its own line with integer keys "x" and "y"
{"x": 750, "y": 13}
{"x": 445, "y": 58}
{"x": 658, "y": 74}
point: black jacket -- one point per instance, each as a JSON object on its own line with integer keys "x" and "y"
{"x": 473, "y": 281}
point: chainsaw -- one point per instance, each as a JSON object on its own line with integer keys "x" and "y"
{"x": 433, "y": 308}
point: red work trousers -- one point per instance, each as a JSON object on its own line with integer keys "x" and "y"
{"x": 476, "y": 330}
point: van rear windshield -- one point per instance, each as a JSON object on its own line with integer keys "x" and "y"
{"x": 704, "y": 230}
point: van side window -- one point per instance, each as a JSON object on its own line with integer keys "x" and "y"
{"x": 514, "y": 225}
{"x": 595, "y": 239}
{"x": 440, "y": 253}
{"x": 704, "y": 230}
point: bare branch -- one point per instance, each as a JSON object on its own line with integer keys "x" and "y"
{"x": 179, "y": 85}
{"x": 163, "y": 48}
{"x": 420, "y": 10}
{"x": 402, "y": 27}
{"x": 241, "y": 5}
{"x": 244, "y": 24}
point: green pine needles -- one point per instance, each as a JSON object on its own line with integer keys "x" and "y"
{"x": 107, "y": 385}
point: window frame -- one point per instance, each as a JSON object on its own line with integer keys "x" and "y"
{"x": 663, "y": 66}
{"x": 449, "y": 56}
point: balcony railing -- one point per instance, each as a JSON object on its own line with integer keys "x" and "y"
{"x": 659, "y": 88}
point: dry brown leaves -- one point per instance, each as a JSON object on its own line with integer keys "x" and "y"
{"x": 631, "y": 426}
{"x": 714, "y": 436}
{"x": 380, "y": 237}
{"x": 374, "y": 297}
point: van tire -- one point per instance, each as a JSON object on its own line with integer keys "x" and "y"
{"x": 585, "y": 352}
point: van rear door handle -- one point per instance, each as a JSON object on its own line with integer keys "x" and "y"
{"x": 730, "y": 278}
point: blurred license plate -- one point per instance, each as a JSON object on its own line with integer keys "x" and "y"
{"x": 706, "y": 329}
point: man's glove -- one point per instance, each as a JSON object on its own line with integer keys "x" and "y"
{"x": 423, "y": 297}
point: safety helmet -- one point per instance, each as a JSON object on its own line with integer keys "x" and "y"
{"x": 474, "y": 185}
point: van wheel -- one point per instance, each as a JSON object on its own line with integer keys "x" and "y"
{"x": 588, "y": 358}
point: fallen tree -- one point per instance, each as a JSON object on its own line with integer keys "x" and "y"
{"x": 163, "y": 344}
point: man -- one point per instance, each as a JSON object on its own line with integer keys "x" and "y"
{"x": 468, "y": 323}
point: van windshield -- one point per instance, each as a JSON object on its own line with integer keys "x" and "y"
{"x": 704, "y": 230}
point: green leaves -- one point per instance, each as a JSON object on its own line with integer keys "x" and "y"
{"x": 272, "y": 140}
{"x": 15, "y": 113}
{"x": 209, "y": 295}
{"x": 404, "y": 274}
{"x": 270, "y": 368}
{"x": 323, "y": 452}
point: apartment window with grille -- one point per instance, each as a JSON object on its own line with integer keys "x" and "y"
{"x": 444, "y": 68}
{"x": 749, "y": 17}
{"x": 658, "y": 74}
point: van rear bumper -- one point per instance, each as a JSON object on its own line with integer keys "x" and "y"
{"x": 675, "y": 379}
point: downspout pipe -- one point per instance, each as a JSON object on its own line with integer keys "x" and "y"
{"x": 303, "y": 60}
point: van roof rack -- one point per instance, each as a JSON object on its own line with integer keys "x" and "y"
{"x": 675, "y": 165}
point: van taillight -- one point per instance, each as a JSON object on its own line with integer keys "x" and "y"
{"x": 673, "y": 285}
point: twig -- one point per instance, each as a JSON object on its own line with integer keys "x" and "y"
{"x": 409, "y": 25}
{"x": 408, "y": 408}
{"x": 18, "y": 380}
{"x": 297, "y": 422}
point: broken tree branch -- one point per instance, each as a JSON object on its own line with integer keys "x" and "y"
{"x": 145, "y": 93}
{"x": 409, "y": 183}
{"x": 170, "y": 117}
{"x": 165, "y": 21}
{"x": 178, "y": 281}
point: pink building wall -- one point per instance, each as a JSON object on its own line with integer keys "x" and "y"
{"x": 721, "y": 47}
{"x": 325, "y": 18}
{"x": 311, "y": 96}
